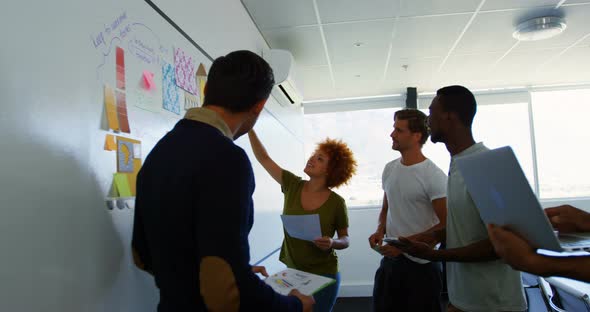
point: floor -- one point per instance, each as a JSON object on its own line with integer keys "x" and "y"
{"x": 349, "y": 304}
{"x": 364, "y": 304}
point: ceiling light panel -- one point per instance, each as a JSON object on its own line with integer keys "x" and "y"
{"x": 332, "y": 11}
{"x": 281, "y": 13}
{"x": 517, "y": 4}
{"x": 418, "y": 71}
{"x": 304, "y": 43}
{"x": 316, "y": 82}
{"x": 427, "y": 36}
{"x": 434, "y": 7}
{"x": 341, "y": 38}
{"x": 577, "y": 27}
{"x": 489, "y": 32}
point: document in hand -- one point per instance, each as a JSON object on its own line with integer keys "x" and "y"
{"x": 305, "y": 227}
{"x": 307, "y": 283}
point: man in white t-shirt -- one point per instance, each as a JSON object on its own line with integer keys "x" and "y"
{"x": 476, "y": 279}
{"x": 414, "y": 204}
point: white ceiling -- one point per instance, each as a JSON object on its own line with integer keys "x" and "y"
{"x": 442, "y": 42}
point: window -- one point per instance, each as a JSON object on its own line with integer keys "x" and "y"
{"x": 562, "y": 142}
{"x": 367, "y": 133}
{"x": 494, "y": 125}
{"x": 506, "y": 124}
{"x": 437, "y": 152}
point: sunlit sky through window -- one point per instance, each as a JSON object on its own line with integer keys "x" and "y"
{"x": 560, "y": 138}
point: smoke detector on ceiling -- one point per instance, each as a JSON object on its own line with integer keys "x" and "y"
{"x": 539, "y": 28}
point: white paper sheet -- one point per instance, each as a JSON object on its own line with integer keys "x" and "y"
{"x": 305, "y": 227}
{"x": 307, "y": 283}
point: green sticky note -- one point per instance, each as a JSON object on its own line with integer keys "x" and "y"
{"x": 122, "y": 185}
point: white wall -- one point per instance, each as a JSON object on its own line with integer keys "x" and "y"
{"x": 359, "y": 262}
{"x": 62, "y": 250}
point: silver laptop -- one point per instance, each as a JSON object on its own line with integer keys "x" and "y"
{"x": 503, "y": 196}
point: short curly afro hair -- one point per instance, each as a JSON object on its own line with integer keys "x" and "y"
{"x": 342, "y": 165}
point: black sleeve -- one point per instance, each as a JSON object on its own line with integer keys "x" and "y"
{"x": 140, "y": 250}
{"x": 223, "y": 225}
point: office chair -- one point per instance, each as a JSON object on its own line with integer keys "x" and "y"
{"x": 550, "y": 296}
{"x": 532, "y": 291}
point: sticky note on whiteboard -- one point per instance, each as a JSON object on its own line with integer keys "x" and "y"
{"x": 122, "y": 185}
{"x": 109, "y": 143}
{"x": 148, "y": 80}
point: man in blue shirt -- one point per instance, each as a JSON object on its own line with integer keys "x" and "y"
{"x": 194, "y": 207}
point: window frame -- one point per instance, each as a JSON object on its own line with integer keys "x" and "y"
{"x": 504, "y": 96}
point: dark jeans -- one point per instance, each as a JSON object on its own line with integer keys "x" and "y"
{"x": 404, "y": 285}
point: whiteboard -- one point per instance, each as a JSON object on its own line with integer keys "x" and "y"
{"x": 62, "y": 249}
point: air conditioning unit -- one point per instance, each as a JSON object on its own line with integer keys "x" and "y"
{"x": 283, "y": 66}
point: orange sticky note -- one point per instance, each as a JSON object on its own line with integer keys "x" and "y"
{"x": 109, "y": 143}
{"x": 111, "y": 108}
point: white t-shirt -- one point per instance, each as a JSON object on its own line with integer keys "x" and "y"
{"x": 476, "y": 286}
{"x": 410, "y": 191}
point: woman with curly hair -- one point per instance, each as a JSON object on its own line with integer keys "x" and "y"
{"x": 331, "y": 165}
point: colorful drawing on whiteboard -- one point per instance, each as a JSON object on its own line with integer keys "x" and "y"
{"x": 110, "y": 108}
{"x": 147, "y": 100}
{"x": 122, "y": 112}
{"x": 120, "y": 60}
{"x": 131, "y": 156}
{"x": 194, "y": 100}
{"x": 141, "y": 42}
{"x": 190, "y": 101}
{"x": 170, "y": 92}
{"x": 185, "y": 71}
{"x": 201, "y": 81}
{"x": 110, "y": 32}
{"x": 124, "y": 156}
